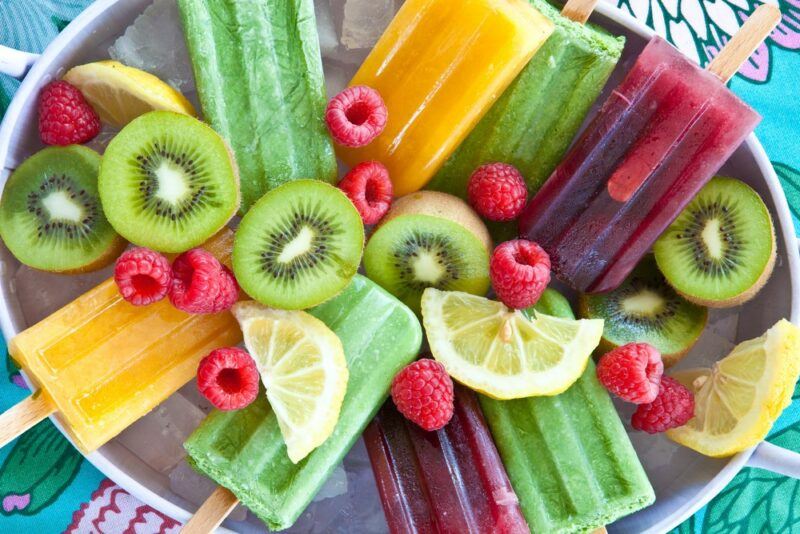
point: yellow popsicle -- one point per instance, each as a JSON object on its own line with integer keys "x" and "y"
{"x": 439, "y": 67}
{"x": 103, "y": 363}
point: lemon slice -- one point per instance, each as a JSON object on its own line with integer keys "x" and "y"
{"x": 119, "y": 94}
{"x": 502, "y": 353}
{"x": 741, "y": 396}
{"x": 303, "y": 368}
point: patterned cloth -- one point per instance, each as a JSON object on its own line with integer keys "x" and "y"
{"x": 45, "y": 485}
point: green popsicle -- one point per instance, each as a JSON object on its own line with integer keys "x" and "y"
{"x": 244, "y": 450}
{"x": 259, "y": 77}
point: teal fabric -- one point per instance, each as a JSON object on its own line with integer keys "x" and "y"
{"x": 45, "y": 485}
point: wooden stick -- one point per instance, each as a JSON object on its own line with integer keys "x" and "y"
{"x": 24, "y": 415}
{"x": 578, "y": 10}
{"x": 601, "y": 530}
{"x": 745, "y": 41}
{"x": 213, "y": 512}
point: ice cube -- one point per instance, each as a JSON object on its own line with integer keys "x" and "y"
{"x": 326, "y": 27}
{"x": 193, "y": 487}
{"x": 716, "y": 341}
{"x": 337, "y": 76}
{"x": 100, "y": 142}
{"x": 365, "y": 20}
{"x": 335, "y": 485}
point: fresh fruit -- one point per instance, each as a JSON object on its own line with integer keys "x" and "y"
{"x": 143, "y": 276}
{"x": 497, "y": 191}
{"x": 120, "y": 93}
{"x": 520, "y": 272}
{"x": 672, "y": 408}
{"x": 356, "y": 116}
{"x": 50, "y": 213}
{"x": 741, "y": 396}
{"x": 632, "y": 372}
{"x": 646, "y": 309}
{"x": 168, "y": 182}
{"x": 303, "y": 368}
{"x": 423, "y": 393}
{"x": 228, "y": 378}
{"x": 429, "y": 239}
{"x": 65, "y": 117}
{"x": 720, "y": 251}
{"x": 228, "y": 291}
{"x": 201, "y": 284}
{"x": 502, "y": 353}
{"x": 369, "y": 188}
{"x": 298, "y": 246}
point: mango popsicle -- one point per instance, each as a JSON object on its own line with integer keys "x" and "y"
{"x": 439, "y": 67}
{"x": 102, "y": 363}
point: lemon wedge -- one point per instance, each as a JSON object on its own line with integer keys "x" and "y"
{"x": 741, "y": 396}
{"x": 501, "y": 352}
{"x": 303, "y": 368}
{"x": 119, "y": 93}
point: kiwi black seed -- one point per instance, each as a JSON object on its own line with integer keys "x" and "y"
{"x": 168, "y": 182}
{"x": 720, "y": 251}
{"x": 50, "y": 213}
{"x": 645, "y": 308}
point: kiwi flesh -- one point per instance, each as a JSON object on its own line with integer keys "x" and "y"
{"x": 645, "y": 308}
{"x": 429, "y": 239}
{"x": 720, "y": 251}
{"x": 168, "y": 182}
{"x": 299, "y": 245}
{"x": 50, "y": 213}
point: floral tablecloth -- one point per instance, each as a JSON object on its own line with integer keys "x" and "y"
{"x": 46, "y": 486}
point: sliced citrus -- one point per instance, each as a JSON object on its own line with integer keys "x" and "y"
{"x": 741, "y": 396}
{"x": 303, "y": 368}
{"x": 119, "y": 94}
{"x": 501, "y": 352}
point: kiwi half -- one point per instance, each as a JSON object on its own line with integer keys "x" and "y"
{"x": 720, "y": 251}
{"x": 50, "y": 213}
{"x": 298, "y": 246}
{"x": 168, "y": 182}
{"x": 646, "y": 309}
{"x": 429, "y": 239}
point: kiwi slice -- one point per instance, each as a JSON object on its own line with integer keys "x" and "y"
{"x": 720, "y": 251}
{"x": 50, "y": 213}
{"x": 168, "y": 182}
{"x": 646, "y": 309}
{"x": 298, "y": 246}
{"x": 429, "y": 239}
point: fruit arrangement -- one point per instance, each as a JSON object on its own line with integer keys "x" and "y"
{"x": 293, "y": 346}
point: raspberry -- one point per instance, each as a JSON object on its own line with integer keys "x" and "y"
{"x": 497, "y": 191}
{"x": 65, "y": 117}
{"x": 673, "y": 407}
{"x": 520, "y": 272}
{"x": 423, "y": 393}
{"x": 228, "y": 291}
{"x": 196, "y": 281}
{"x": 356, "y": 116}
{"x": 228, "y": 378}
{"x": 143, "y": 276}
{"x": 369, "y": 188}
{"x": 632, "y": 372}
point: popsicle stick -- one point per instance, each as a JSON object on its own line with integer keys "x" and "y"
{"x": 578, "y": 10}
{"x": 601, "y": 530}
{"x": 745, "y": 41}
{"x": 24, "y": 415}
{"x": 213, "y": 512}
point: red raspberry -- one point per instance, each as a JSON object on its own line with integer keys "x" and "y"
{"x": 369, "y": 188}
{"x": 497, "y": 191}
{"x": 196, "y": 281}
{"x": 228, "y": 291}
{"x": 143, "y": 276}
{"x": 673, "y": 407}
{"x": 228, "y": 378}
{"x": 65, "y": 117}
{"x": 423, "y": 393}
{"x": 356, "y": 116}
{"x": 520, "y": 272}
{"x": 632, "y": 372}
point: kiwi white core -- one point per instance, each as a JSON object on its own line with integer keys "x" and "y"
{"x": 712, "y": 239}
{"x": 426, "y": 268}
{"x": 301, "y": 244}
{"x": 643, "y": 304}
{"x": 172, "y": 183}
{"x": 60, "y": 207}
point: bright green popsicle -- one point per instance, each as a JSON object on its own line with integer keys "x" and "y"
{"x": 244, "y": 450}
{"x": 259, "y": 77}
{"x": 568, "y": 457}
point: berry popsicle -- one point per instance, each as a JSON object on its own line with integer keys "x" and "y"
{"x": 657, "y": 140}
{"x": 439, "y": 67}
{"x": 102, "y": 363}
